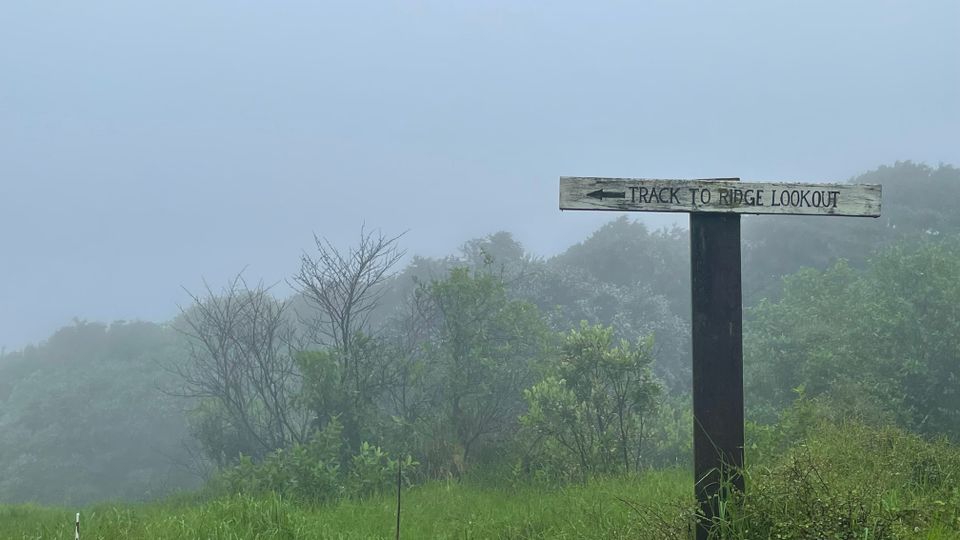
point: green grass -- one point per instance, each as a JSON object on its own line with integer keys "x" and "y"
{"x": 435, "y": 510}
{"x": 837, "y": 481}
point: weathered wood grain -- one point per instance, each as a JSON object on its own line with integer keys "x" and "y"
{"x": 718, "y": 195}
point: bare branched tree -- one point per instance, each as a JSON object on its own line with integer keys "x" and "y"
{"x": 345, "y": 288}
{"x": 241, "y": 357}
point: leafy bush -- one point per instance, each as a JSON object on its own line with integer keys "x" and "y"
{"x": 372, "y": 471}
{"x": 312, "y": 471}
{"x": 851, "y": 480}
{"x": 881, "y": 340}
{"x": 592, "y": 412}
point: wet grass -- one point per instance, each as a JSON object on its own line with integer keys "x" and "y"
{"x": 435, "y": 510}
{"x": 845, "y": 481}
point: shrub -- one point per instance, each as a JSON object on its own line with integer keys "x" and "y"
{"x": 593, "y": 409}
{"x": 840, "y": 480}
{"x": 313, "y": 472}
{"x": 850, "y": 480}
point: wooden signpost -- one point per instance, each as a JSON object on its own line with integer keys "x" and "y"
{"x": 715, "y": 206}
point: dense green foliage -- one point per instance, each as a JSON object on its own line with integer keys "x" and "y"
{"x": 82, "y": 417}
{"x": 311, "y": 472}
{"x": 882, "y": 341}
{"x": 592, "y": 409}
{"x": 481, "y": 348}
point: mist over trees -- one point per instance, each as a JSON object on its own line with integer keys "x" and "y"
{"x": 82, "y": 419}
{"x": 489, "y": 359}
{"x": 882, "y": 340}
{"x": 240, "y": 372}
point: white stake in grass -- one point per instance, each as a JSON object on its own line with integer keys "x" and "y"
{"x": 77, "y": 529}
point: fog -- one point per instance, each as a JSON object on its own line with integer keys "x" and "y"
{"x": 144, "y": 147}
{"x": 269, "y": 268}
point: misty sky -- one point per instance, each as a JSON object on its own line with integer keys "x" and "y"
{"x": 144, "y": 146}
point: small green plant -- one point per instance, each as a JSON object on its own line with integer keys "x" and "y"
{"x": 372, "y": 471}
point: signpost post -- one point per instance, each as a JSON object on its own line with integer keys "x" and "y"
{"x": 715, "y": 206}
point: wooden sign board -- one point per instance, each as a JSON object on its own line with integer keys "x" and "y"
{"x": 727, "y": 195}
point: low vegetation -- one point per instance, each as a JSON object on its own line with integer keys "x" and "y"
{"x": 841, "y": 480}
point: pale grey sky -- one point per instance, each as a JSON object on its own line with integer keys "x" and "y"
{"x": 146, "y": 145}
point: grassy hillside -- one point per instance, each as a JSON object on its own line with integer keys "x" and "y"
{"x": 436, "y": 510}
{"x": 841, "y": 480}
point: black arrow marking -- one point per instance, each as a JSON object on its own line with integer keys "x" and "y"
{"x": 600, "y": 194}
